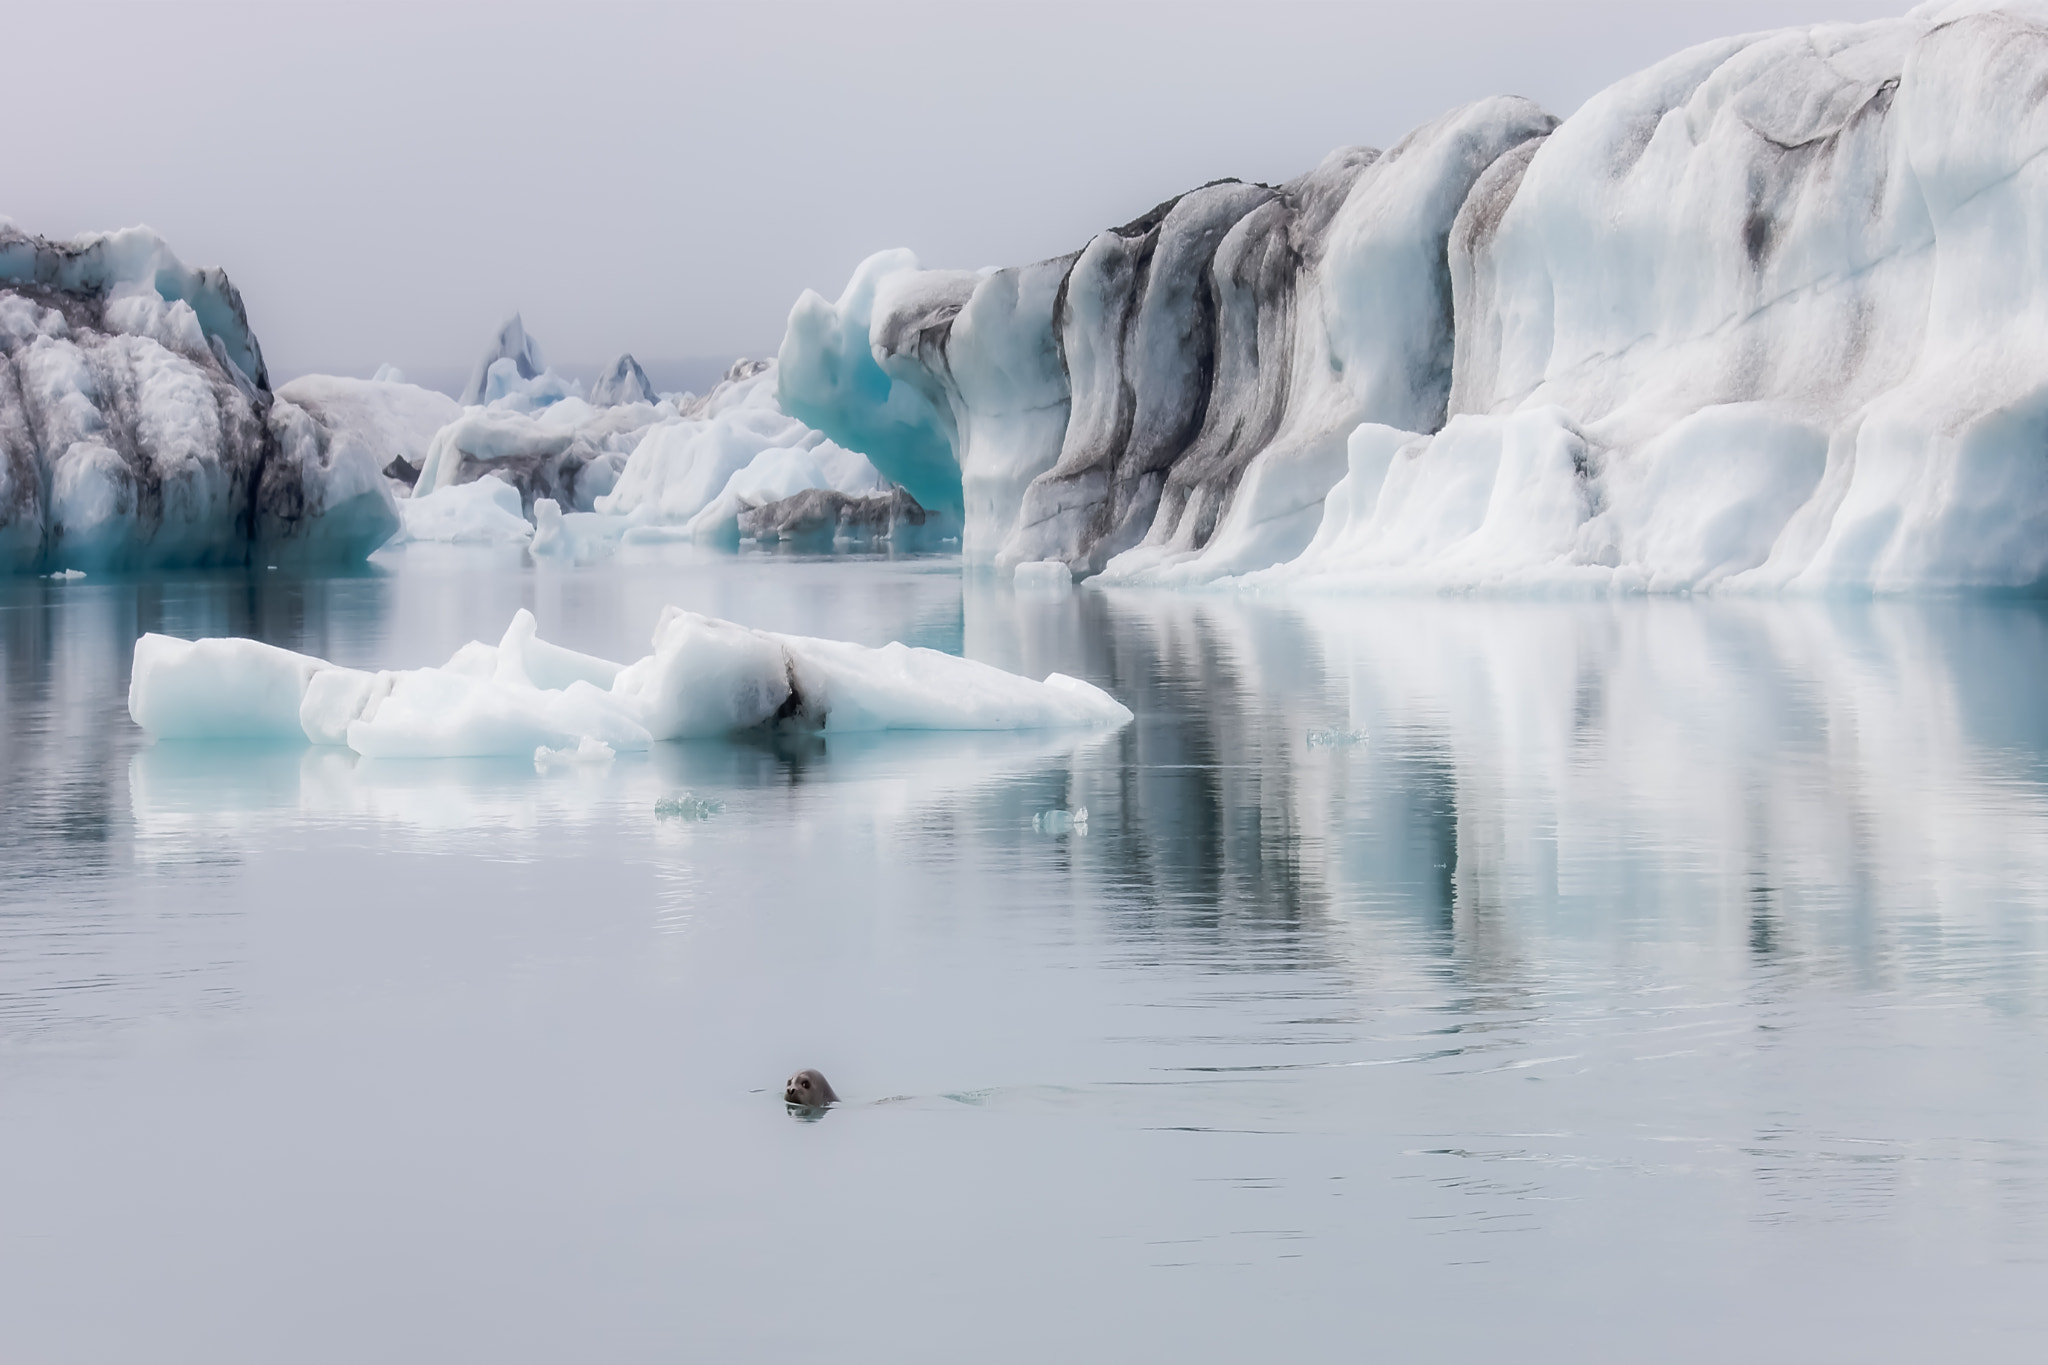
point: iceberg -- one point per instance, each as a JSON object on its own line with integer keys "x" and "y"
{"x": 520, "y": 354}
{"x": 822, "y": 517}
{"x": 395, "y": 420}
{"x": 527, "y": 697}
{"x": 485, "y": 512}
{"x": 1761, "y": 317}
{"x": 589, "y": 474}
{"x": 623, "y": 382}
{"x": 138, "y": 428}
{"x": 726, "y": 452}
{"x": 527, "y": 426}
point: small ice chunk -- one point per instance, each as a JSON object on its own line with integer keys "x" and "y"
{"x": 577, "y": 537}
{"x": 687, "y": 806}
{"x": 66, "y": 575}
{"x": 1061, "y": 821}
{"x": 1043, "y": 575}
{"x": 1334, "y": 739}
{"x": 588, "y": 751}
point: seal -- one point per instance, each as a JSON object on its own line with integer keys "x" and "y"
{"x": 808, "y": 1090}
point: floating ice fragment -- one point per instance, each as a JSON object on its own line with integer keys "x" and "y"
{"x": 1334, "y": 739}
{"x": 577, "y": 537}
{"x": 66, "y": 575}
{"x": 588, "y": 751}
{"x": 705, "y": 678}
{"x": 686, "y": 806}
{"x": 1061, "y": 821}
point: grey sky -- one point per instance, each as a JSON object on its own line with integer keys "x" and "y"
{"x": 387, "y": 182}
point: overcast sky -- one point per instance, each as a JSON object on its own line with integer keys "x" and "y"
{"x": 388, "y": 182}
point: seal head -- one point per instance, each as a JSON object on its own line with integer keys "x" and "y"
{"x": 808, "y": 1090}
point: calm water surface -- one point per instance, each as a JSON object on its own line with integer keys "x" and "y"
{"x": 1652, "y": 980}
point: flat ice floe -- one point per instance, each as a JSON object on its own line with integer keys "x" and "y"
{"x": 705, "y": 678}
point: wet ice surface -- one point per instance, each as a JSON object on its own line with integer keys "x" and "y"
{"x": 1651, "y": 980}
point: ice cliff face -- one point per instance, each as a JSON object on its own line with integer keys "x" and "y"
{"x": 137, "y": 426}
{"x": 1772, "y": 313}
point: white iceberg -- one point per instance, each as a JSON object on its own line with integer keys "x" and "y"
{"x": 1758, "y": 317}
{"x": 727, "y": 454}
{"x": 523, "y": 695}
{"x": 483, "y": 512}
{"x": 395, "y": 420}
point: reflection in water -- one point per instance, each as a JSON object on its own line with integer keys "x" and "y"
{"x": 1857, "y": 786}
{"x": 1672, "y": 926}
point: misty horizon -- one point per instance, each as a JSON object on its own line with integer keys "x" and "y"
{"x": 708, "y": 171}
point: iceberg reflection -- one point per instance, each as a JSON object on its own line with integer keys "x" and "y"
{"x": 1859, "y": 780}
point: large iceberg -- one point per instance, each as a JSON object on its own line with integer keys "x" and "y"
{"x": 1766, "y": 315}
{"x": 704, "y": 678}
{"x": 138, "y": 428}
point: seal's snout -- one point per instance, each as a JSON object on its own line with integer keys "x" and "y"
{"x": 808, "y": 1089}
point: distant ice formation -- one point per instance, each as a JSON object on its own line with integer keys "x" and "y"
{"x": 624, "y": 382}
{"x": 137, "y": 425}
{"x": 576, "y": 477}
{"x": 138, "y": 430}
{"x": 705, "y": 678}
{"x": 518, "y": 353}
{"x": 1766, "y": 315}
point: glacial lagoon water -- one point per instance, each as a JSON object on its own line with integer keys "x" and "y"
{"x": 1435, "y": 980}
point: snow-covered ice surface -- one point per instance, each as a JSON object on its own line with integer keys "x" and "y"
{"x": 1650, "y": 956}
{"x": 525, "y": 696}
{"x": 1764, "y": 316}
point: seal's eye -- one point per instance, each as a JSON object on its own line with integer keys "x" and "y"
{"x": 805, "y": 1083}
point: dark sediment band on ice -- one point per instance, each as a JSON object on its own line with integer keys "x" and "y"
{"x": 1755, "y": 316}
{"x": 823, "y": 517}
{"x": 137, "y": 424}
